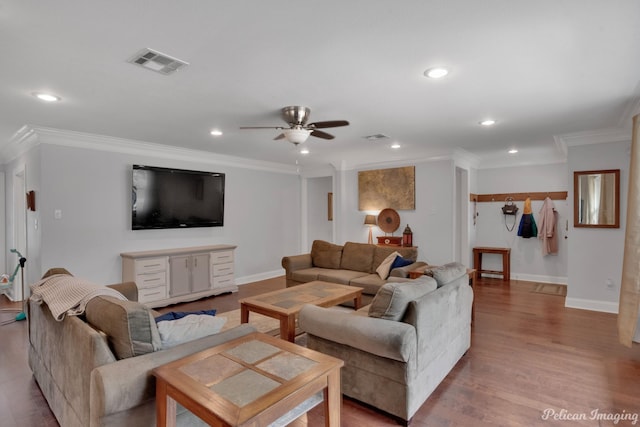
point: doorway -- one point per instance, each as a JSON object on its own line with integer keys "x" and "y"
{"x": 319, "y": 226}
{"x": 19, "y": 231}
{"x": 461, "y": 250}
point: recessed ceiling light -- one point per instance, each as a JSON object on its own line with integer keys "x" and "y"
{"x": 47, "y": 97}
{"x": 513, "y": 151}
{"x": 304, "y": 151}
{"x": 216, "y": 132}
{"x": 395, "y": 145}
{"x": 488, "y": 122}
{"x": 436, "y": 72}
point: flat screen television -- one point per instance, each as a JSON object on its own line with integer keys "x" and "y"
{"x": 176, "y": 198}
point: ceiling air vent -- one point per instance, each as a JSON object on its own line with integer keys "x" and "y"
{"x": 376, "y": 137}
{"x": 156, "y": 61}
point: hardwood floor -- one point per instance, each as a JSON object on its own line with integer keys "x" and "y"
{"x": 529, "y": 354}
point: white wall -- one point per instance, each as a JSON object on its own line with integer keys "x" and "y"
{"x": 432, "y": 221}
{"x": 527, "y": 262}
{"x": 93, "y": 190}
{"x": 318, "y": 225}
{"x": 595, "y": 255}
{"x": 3, "y": 252}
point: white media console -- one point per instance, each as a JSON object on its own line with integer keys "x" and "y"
{"x": 170, "y": 276}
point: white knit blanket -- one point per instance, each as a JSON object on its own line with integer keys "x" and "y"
{"x": 66, "y": 294}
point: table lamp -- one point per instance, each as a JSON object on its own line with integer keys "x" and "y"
{"x": 370, "y": 220}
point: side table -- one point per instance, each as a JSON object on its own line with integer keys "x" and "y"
{"x": 506, "y": 260}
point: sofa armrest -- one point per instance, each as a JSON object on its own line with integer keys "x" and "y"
{"x": 296, "y": 262}
{"x": 384, "y": 338}
{"x": 128, "y": 383}
{"x": 404, "y": 271}
{"x": 128, "y": 289}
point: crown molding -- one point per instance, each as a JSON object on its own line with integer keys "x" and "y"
{"x": 465, "y": 159}
{"x": 318, "y": 171}
{"x": 30, "y": 136}
{"x": 460, "y": 157}
{"x": 599, "y": 136}
{"x": 561, "y": 145}
{"x": 20, "y": 142}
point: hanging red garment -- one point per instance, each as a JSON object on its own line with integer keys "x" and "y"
{"x": 548, "y": 225}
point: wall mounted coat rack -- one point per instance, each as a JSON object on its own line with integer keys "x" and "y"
{"x": 519, "y": 197}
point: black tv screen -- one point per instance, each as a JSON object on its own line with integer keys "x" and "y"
{"x": 176, "y": 198}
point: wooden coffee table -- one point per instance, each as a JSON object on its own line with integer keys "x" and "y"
{"x": 285, "y": 304}
{"x": 250, "y": 381}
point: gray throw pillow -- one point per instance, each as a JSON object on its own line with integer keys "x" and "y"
{"x": 130, "y": 327}
{"x": 448, "y": 273}
{"x": 392, "y": 298}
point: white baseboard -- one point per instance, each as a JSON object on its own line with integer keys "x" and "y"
{"x": 257, "y": 277}
{"x": 532, "y": 278}
{"x": 593, "y": 305}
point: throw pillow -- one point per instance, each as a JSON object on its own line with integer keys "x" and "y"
{"x": 400, "y": 262}
{"x": 130, "y": 327}
{"x": 188, "y": 328}
{"x": 385, "y": 266}
{"x": 448, "y": 272}
{"x": 325, "y": 254}
{"x": 358, "y": 257}
{"x": 392, "y": 298}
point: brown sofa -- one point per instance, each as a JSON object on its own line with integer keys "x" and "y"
{"x": 352, "y": 264}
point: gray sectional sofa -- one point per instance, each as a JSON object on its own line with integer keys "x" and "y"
{"x": 96, "y": 370}
{"x": 398, "y": 349}
{"x": 353, "y": 264}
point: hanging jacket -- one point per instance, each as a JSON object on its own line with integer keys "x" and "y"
{"x": 527, "y": 228}
{"x": 548, "y": 226}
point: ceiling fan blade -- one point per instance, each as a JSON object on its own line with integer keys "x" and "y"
{"x": 328, "y": 124}
{"x": 261, "y": 127}
{"x": 321, "y": 134}
{"x": 281, "y": 136}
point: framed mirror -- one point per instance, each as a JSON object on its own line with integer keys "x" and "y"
{"x": 596, "y": 199}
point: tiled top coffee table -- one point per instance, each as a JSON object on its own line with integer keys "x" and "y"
{"x": 252, "y": 380}
{"x": 285, "y": 304}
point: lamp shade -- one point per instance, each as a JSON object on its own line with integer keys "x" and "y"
{"x": 370, "y": 220}
{"x": 297, "y": 136}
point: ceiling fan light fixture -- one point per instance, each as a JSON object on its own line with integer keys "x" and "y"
{"x": 296, "y": 136}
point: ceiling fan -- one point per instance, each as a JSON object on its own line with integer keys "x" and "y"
{"x": 298, "y": 130}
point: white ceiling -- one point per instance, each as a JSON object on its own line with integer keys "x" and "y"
{"x": 542, "y": 69}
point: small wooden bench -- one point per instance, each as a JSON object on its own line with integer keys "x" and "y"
{"x": 506, "y": 261}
